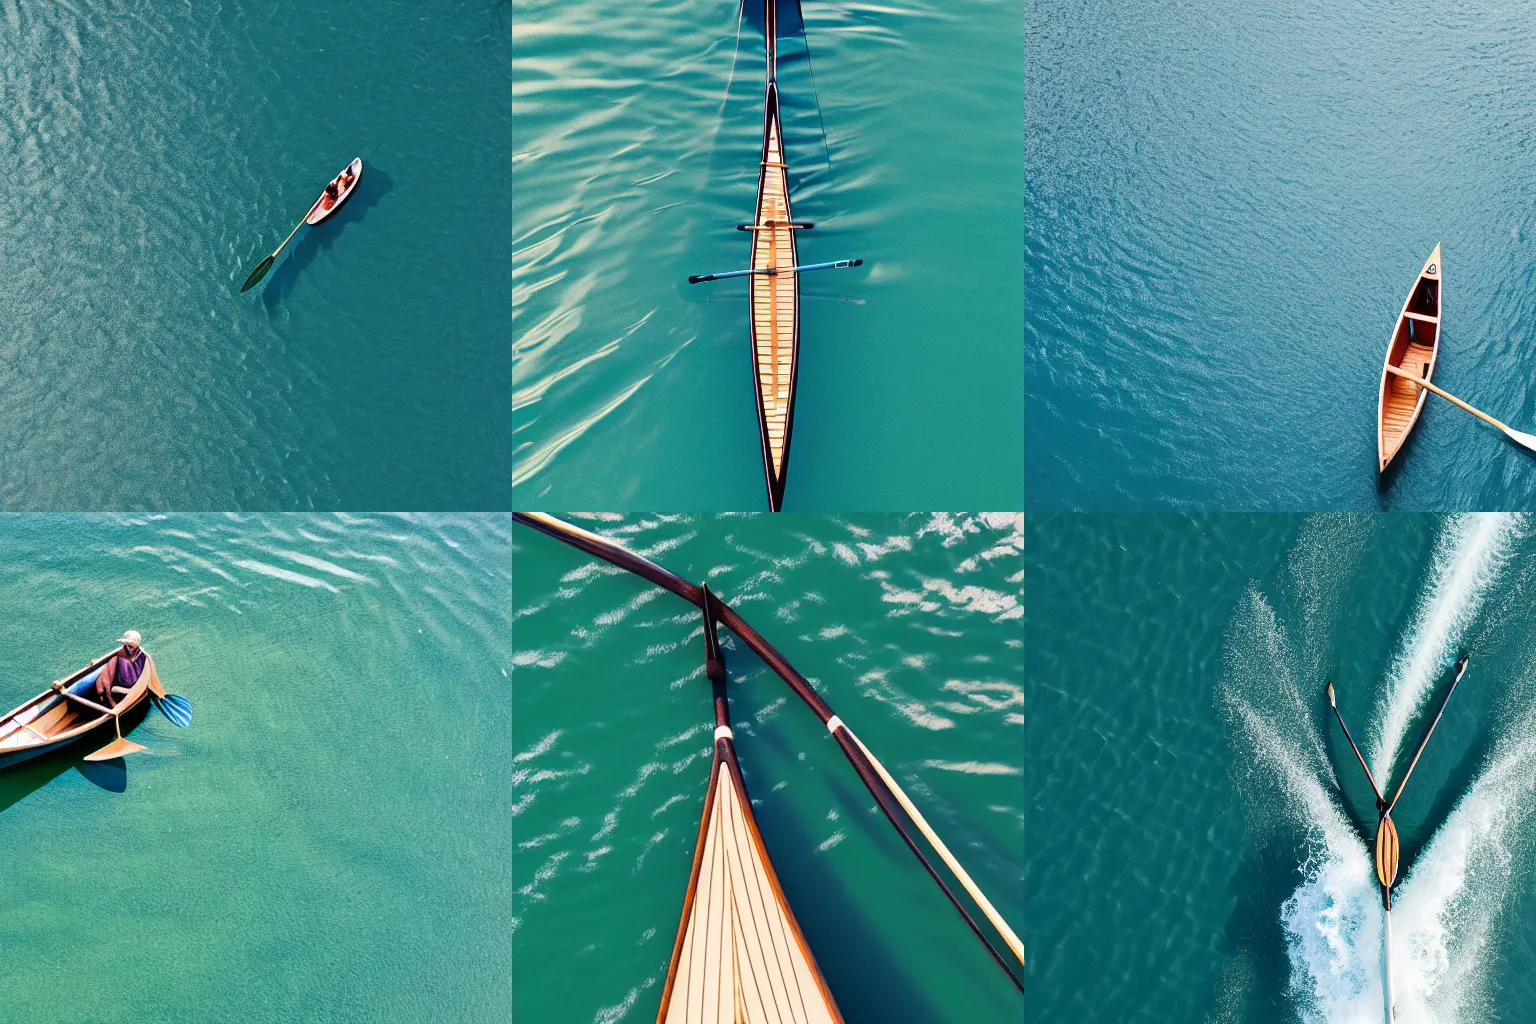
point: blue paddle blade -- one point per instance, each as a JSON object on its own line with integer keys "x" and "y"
{"x": 176, "y": 709}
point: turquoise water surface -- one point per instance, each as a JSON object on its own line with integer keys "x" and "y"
{"x": 909, "y": 626}
{"x": 1197, "y": 821}
{"x": 636, "y": 139}
{"x": 152, "y": 154}
{"x": 1227, "y": 207}
{"x": 330, "y": 839}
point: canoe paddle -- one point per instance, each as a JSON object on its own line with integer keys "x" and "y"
{"x": 266, "y": 264}
{"x": 775, "y": 271}
{"x": 119, "y": 746}
{"x": 1525, "y": 440}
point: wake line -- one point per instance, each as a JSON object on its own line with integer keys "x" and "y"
{"x": 1467, "y": 560}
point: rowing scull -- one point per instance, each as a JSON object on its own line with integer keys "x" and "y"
{"x": 774, "y": 282}
{"x": 1386, "y": 843}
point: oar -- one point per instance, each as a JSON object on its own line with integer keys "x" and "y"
{"x": 802, "y": 225}
{"x": 1380, "y": 803}
{"x": 1461, "y": 668}
{"x": 1519, "y": 437}
{"x": 266, "y": 264}
{"x": 176, "y": 708}
{"x": 775, "y": 271}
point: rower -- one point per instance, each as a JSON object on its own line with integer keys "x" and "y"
{"x": 122, "y": 668}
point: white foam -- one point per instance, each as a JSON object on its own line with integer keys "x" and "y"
{"x": 1467, "y": 559}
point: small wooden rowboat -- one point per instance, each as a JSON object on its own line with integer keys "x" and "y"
{"x": 51, "y": 720}
{"x": 1414, "y": 345}
{"x": 346, "y": 182}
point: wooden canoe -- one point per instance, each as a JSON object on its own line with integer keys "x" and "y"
{"x": 49, "y": 721}
{"x": 325, "y": 206}
{"x": 1414, "y": 345}
{"x": 775, "y": 298}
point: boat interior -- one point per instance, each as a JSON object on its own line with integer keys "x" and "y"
{"x": 53, "y": 716}
{"x": 1413, "y": 349}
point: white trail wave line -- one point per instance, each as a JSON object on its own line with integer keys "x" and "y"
{"x": 1467, "y": 560}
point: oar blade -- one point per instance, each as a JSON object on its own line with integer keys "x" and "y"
{"x": 259, "y": 273}
{"x": 1524, "y": 440}
{"x": 117, "y": 748}
{"x": 176, "y": 709}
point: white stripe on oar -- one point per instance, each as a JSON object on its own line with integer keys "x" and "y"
{"x": 835, "y": 723}
{"x": 1519, "y": 437}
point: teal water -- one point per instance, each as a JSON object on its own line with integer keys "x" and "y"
{"x": 329, "y": 839}
{"x": 636, "y": 137}
{"x": 910, "y": 628}
{"x": 153, "y": 153}
{"x": 1196, "y": 843}
{"x": 1226, "y": 209}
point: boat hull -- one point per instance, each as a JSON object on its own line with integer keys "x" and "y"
{"x": 1414, "y": 346}
{"x": 775, "y": 306}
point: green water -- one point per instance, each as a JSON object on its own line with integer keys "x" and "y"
{"x": 152, "y": 154}
{"x": 329, "y": 840}
{"x": 1196, "y": 847}
{"x": 636, "y": 139}
{"x": 909, "y": 626}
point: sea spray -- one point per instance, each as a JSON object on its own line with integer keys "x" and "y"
{"x": 1447, "y": 906}
{"x": 1468, "y": 557}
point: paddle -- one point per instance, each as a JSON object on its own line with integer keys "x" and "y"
{"x": 769, "y": 225}
{"x": 775, "y": 271}
{"x": 1380, "y": 803}
{"x": 176, "y": 708}
{"x": 266, "y": 264}
{"x": 1461, "y": 668}
{"x": 1523, "y": 439}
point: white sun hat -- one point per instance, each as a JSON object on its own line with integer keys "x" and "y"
{"x": 131, "y": 637}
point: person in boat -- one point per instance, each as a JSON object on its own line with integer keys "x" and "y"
{"x": 331, "y": 192}
{"x": 122, "y": 669}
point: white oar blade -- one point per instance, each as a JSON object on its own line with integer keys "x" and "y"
{"x": 1525, "y": 440}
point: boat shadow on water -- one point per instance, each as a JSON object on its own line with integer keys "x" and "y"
{"x": 374, "y": 185}
{"x": 849, "y": 948}
{"x": 22, "y": 780}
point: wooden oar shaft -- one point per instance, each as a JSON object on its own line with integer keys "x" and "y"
{"x": 938, "y": 844}
{"x": 1425, "y": 741}
{"x": 1380, "y": 802}
{"x": 1421, "y": 382}
{"x": 88, "y": 703}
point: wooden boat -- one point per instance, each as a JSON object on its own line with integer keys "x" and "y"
{"x": 740, "y": 957}
{"x": 325, "y": 206}
{"x": 1414, "y": 345}
{"x": 51, "y": 720}
{"x": 774, "y": 297}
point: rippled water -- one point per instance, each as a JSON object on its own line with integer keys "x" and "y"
{"x": 152, "y": 153}
{"x": 330, "y": 836}
{"x": 1227, "y": 208}
{"x": 910, "y": 627}
{"x": 636, "y": 135}
{"x": 1200, "y": 834}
